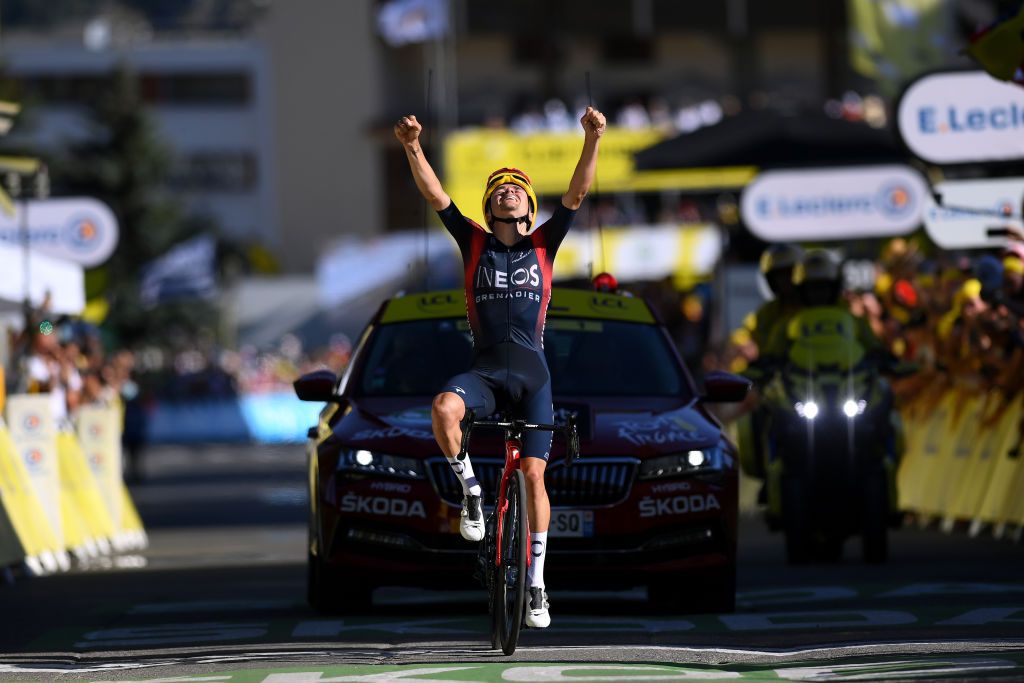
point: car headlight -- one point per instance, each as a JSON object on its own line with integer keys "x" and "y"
{"x": 371, "y": 462}
{"x": 683, "y": 463}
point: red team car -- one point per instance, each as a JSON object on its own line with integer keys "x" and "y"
{"x": 652, "y": 501}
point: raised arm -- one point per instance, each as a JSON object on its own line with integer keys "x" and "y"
{"x": 593, "y": 123}
{"x": 408, "y": 130}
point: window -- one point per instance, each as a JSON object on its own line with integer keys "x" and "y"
{"x": 586, "y": 358}
{"x": 230, "y": 171}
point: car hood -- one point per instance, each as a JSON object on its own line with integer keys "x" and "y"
{"x": 608, "y": 426}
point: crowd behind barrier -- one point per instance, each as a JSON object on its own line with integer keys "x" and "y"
{"x": 960, "y": 320}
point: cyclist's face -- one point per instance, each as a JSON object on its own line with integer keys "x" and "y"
{"x": 509, "y": 200}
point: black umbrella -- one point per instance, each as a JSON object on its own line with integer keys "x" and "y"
{"x": 768, "y": 139}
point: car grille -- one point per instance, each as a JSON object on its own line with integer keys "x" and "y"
{"x": 593, "y": 482}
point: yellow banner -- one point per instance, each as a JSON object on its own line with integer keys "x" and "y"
{"x": 99, "y": 433}
{"x": 548, "y": 158}
{"x": 30, "y": 420}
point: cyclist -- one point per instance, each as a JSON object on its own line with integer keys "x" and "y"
{"x": 508, "y": 286}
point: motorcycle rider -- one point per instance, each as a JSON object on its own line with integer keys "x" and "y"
{"x": 818, "y": 281}
{"x": 777, "y": 264}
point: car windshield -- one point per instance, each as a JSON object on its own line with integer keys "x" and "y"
{"x": 586, "y": 358}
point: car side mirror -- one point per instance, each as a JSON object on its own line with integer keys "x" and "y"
{"x": 316, "y": 386}
{"x": 725, "y": 387}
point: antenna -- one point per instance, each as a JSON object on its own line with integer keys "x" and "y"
{"x": 597, "y": 196}
{"x": 426, "y": 229}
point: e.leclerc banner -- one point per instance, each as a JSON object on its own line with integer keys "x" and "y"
{"x": 973, "y": 214}
{"x": 962, "y": 117}
{"x": 78, "y": 229}
{"x": 834, "y": 203}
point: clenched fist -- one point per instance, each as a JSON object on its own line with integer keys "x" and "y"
{"x": 593, "y": 122}
{"x": 408, "y": 129}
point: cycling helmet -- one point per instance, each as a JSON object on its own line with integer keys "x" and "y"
{"x": 819, "y": 265}
{"x": 511, "y": 175}
{"x": 779, "y": 256}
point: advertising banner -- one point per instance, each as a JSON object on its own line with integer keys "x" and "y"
{"x": 834, "y": 203}
{"x": 78, "y": 229}
{"x": 32, "y": 427}
{"x": 960, "y": 117}
{"x": 974, "y": 214}
{"x": 62, "y": 280}
{"x": 99, "y": 433}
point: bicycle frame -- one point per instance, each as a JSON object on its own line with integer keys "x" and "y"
{"x": 513, "y": 448}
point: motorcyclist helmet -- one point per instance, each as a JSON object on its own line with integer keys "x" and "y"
{"x": 780, "y": 257}
{"x": 777, "y": 264}
{"x": 514, "y": 176}
{"x": 819, "y": 276}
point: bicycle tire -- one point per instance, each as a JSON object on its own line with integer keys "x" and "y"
{"x": 512, "y": 573}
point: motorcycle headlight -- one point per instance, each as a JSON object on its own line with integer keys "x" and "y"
{"x": 371, "y": 462}
{"x": 683, "y": 463}
{"x": 854, "y": 408}
{"x": 807, "y": 410}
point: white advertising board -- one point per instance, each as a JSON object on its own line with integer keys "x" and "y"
{"x": 960, "y": 117}
{"x": 31, "y": 423}
{"x": 834, "y": 203}
{"x": 970, "y": 213}
{"x": 62, "y": 280}
{"x": 78, "y": 229}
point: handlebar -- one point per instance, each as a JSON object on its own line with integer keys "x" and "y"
{"x": 514, "y": 430}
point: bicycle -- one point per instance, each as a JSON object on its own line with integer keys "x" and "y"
{"x": 503, "y": 553}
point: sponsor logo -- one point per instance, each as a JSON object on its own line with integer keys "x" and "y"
{"x": 434, "y": 301}
{"x": 34, "y": 458}
{"x": 460, "y": 390}
{"x": 376, "y": 505}
{"x": 390, "y": 486}
{"x": 679, "y": 505}
{"x": 520, "y": 277}
{"x": 32, "y": 422}
{"x": 602, "y": 303}
{"x": 659, "y": 431}
{"x": 895, "y": 200}
{"x": 416, "y": 416}
{"x": 95, "y": 430}
{"x": 392, "y": 433}
{"x": 933, "y": 120}
{"x": 83, "y": 233}
{"x": 96, "y": 460}
{"x": 671, "y": 487}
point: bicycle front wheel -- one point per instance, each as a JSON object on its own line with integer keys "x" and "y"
{"x": 515, "y": 542}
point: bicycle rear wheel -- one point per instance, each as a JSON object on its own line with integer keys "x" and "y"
{"x": 510, "y": 586}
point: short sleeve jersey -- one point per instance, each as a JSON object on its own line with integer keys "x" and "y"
{"x": 507, "y": 288}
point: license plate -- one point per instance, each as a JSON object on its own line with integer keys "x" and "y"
{"x": 571, "y": 524}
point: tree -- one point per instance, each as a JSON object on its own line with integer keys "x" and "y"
{"x": 125, "y": 164}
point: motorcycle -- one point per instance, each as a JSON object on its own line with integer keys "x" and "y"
{"x": 831, "y": 442}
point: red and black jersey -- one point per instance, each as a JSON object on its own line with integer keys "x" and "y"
{"x": 507, "y": 288}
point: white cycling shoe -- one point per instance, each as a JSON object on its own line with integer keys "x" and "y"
{"x": 471, "y": 525}
{"x": 537, "y": 615}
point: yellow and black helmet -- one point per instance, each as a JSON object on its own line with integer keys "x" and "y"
{"x": 504, "y": 176}
{"x": 780, "y": 256}
{"x": 818, "y": 265}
